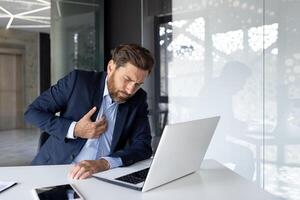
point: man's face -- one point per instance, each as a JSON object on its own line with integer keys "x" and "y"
{"x": 123, "y": 82}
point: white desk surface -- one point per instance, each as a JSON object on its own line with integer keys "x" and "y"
{"x": 212, "y": 182}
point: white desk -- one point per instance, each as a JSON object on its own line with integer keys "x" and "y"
{"x": 212, "y": 182}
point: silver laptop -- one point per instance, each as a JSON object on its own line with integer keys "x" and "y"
{"x": 180, "y": 151}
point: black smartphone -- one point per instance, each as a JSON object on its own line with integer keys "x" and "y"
{"x": 63, "y": 192}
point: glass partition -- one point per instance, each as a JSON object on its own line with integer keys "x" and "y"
{"x": 76, "y": 36}
{"x": 217, "y": 69}
{"x": 282, "y": 99}
{"x": 241, "y": 60}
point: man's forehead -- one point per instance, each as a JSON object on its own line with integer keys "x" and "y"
{"x": 130, "y": 68}
{"x": 134, "y": 73}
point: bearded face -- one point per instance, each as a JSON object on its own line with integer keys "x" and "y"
{"x": 124, "y": 81}
{"x": 117, "y": 94}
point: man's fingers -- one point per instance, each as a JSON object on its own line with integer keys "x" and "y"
{"x": 99, "y": 129}
{"x": 100, "y": 122}
{"x": 84, "y": 169}
{"x": 80, "y": 172}
{"x": 74, "y": 171}
{"x": 100, "y": 125}
{"x": 85, "y": 175}
{"x": 85, "y": 128}
{"x": 89, "y": 114}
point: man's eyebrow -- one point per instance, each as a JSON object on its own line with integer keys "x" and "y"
{"x": 133, "y": 81}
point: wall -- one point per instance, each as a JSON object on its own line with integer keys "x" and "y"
{"x": 27, "y": 42}
{"x": 132, "y": 21}
{"x": 122, "y": 23}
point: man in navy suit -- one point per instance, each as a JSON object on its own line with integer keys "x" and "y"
{"x": 103, "y": 117}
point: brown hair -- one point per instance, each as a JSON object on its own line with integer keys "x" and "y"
{"x": 134, "y": 54}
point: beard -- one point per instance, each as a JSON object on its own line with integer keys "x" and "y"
{"x": 116, "y": 95}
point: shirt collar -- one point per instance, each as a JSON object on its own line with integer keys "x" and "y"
{"x": 106, "y": 94}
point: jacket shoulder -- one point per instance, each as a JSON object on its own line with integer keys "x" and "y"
{"x": 139, "y": 97}
{"x": 82, "y": 76}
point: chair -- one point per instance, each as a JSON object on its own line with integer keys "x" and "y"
{"x": 43, "y": 138}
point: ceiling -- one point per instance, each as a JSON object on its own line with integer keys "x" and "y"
{"x": 30, "y": 15}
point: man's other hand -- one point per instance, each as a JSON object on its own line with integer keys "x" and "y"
{"x": 86, "y": 128}
{"x": 86, "y": 168}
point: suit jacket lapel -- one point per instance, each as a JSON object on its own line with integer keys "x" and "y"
{"x": 98, "y": 95}
{"x": 119, "y": 125}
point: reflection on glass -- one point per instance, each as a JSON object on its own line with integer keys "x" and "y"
{"x": 262, "y": 36}
{"x": 197, "y": 28}
{"x": 228, "y": 42}
{"x": 184, "y": 47}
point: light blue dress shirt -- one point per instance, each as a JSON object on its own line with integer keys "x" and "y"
{"x": 100, "y": 147}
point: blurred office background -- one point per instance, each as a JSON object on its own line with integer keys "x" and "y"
{"x": 239, "y": 59}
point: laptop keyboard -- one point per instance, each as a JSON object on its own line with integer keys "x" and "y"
{"x": 135, "y": 177}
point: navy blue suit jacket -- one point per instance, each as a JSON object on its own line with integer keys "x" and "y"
{"x": 73, "y": 96}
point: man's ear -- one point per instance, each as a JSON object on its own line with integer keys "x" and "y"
{"x": 111, "y": 66}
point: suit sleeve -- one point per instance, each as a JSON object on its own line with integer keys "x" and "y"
{"x": 139, "y": 145}
{"x": 42, "y": 112}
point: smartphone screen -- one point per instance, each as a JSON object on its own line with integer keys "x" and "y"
{"x": 64, "y": 192}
